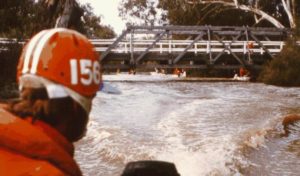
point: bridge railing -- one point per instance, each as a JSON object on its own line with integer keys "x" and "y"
{"x": 101, "y": 45}
{"x": 169, "y": 46}
{"x": 177, "y": 46}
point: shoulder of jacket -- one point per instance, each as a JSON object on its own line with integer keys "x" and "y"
{"x": 5, "y": 116}
{"x": 19, "y": 135}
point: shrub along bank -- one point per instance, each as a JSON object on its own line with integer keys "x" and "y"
{"x": 284, "y": 70}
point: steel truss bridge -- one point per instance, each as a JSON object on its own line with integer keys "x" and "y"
{"x": 190, "y": 47}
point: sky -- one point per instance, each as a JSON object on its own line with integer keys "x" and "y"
{"x": 108, "y": 10}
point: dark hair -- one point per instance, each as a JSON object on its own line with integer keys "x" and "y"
{"x": 55, "y": 112}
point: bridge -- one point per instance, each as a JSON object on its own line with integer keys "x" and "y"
{"x": 187, "y": 47}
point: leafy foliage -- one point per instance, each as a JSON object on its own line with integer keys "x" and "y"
{"x": 90, "y": 25}
{"x": 284, "y": 69}
{"x": 297, "y": 30}
{"x": 146, "y": 12}
{"x": 179, "y": 12}
{"x": 22, "y": 19}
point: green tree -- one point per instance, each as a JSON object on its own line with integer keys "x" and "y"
{"x": 201, "y": 12}
{"x": 21, "y": 19}
{"x": 297, "y": 9}
{"x": 284, "y": 69}
{"x": 24, "y": 18}
{"x": 143, "y": 11}
{"x": 91, "y": 25}
{"x": 181, "y": 13}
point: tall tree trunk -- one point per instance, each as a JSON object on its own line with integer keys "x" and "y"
{"x": 69, "y": 12}
{"x": 293, "y": 8}
{"x": 287, "y": 7}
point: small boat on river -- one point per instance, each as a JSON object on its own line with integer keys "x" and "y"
{"x": 241, "y": 78}
{"x": 163, "y": 74}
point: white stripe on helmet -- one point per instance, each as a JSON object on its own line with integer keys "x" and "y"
{"x": 30, "y": 48}
{"x": 40, "y": 46}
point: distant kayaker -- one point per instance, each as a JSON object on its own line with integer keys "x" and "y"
{"x": 242, "y": 71}
{"x": 177, "y": 72}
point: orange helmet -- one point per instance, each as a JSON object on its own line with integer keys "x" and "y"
{"x": 64, "y": 62}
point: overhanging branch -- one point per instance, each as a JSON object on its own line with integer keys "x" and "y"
{"x": 235, "y": 4}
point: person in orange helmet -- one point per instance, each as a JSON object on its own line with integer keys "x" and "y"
{"x": 58, "y": 76}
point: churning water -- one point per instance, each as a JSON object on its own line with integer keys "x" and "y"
{"x": 221, "y": 128}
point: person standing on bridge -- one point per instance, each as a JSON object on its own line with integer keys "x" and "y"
{"x": 58, "y": 76}
{"x": 250, "y": 46}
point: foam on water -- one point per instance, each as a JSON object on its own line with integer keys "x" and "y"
{"x": 196, "y": 153}
{"x": 139, "y": 77}
{"x": 207, "y": 156}
{"x": 202, "y": 127}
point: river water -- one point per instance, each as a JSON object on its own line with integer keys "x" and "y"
{"x": 204, "y": 128}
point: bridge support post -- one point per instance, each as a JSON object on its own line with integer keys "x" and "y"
{"x": 208, "y": 48}
{"x": 132, "y": 61}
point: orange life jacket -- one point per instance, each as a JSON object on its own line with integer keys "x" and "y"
{"x": 33, "y": 149}
{"x": 176, "y": 71}
{"x": 242, "y": 71}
